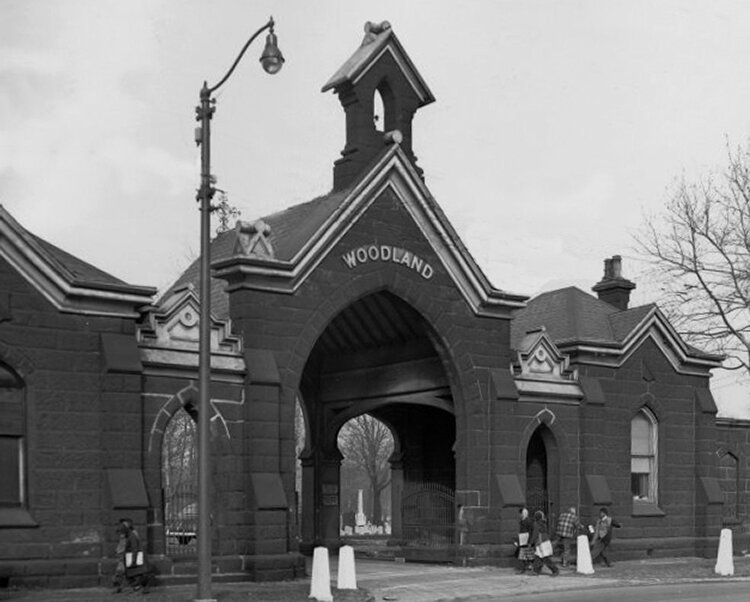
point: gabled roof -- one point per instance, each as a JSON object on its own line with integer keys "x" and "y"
{"x": 302, "y": 235}
{"x": 601, "y": 333}
{"x": 290, "y": 229}
{"x": 336, "y": 214}
{"x": 69, "y": 283}
{"x": 379, "y": 39}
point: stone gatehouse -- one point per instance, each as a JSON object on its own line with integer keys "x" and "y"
{"x": 364, "y": 300}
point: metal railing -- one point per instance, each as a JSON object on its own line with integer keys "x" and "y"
{"x": 181, "y": 520}
{"x": 428, "y": 514}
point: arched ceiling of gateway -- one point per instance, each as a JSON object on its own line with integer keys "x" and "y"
{"x": 376, "y": 321}
{"x": 376, "y": 351}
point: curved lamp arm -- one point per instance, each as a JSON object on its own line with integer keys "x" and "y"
{"x": 268, "y": 25}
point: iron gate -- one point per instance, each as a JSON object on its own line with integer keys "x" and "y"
{"x": 538, "y": 500}
{"x": 181, "y": 520}
{"x": 428, "y": 514}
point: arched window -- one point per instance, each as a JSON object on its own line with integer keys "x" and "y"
{"x": 644, "y": 447}
{"x": 729, "y": 478}
{"x": 378, "y": 111}
{"x": 383, "y": 110}
{"x": 12, "y": 445}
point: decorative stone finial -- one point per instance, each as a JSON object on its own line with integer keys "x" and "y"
{"x": 252, "y": 239}
{"x": 373, "y": 30}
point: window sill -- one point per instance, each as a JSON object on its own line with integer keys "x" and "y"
{"x": 16, "y": 518}
{"x": 644, "y": 508}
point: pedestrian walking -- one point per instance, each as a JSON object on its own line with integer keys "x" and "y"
{"x": 134, "y": 559}
{"x": 566, "y": 532}
{"x": 118, "y": 579}
{"x": 525, "y": 548}
{"x": 602, "y": 536}
{"x": 543, "y": 545}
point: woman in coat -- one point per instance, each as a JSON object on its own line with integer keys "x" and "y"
{"x": 525, "y": 548}
{"x": 543, "y": 546}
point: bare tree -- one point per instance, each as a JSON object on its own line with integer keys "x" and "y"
{"x": 699, "y": 247}
{"x": 368, "y": 443}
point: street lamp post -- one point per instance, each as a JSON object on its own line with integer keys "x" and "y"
{"x": 272, "y": 61}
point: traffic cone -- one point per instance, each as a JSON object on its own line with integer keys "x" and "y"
{"x": 347, "y": 578}
{"x": 724, "y": 559}
{"x": 320, "y": 584}
{"x": 583, "y": 556}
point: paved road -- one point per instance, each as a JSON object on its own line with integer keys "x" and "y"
{"x": 680, "y": 592}
{"x": 688, "y": 579}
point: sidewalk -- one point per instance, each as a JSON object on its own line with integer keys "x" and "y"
{"x": 383, "y": 581}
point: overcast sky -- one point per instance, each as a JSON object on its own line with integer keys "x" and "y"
{"x": 557, "y": 124}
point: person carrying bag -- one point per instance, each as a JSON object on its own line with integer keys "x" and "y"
{"x": 543, "y": 545}
{"x": 136, "y": 567}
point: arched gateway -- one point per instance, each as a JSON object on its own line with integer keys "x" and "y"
{"x": 365, "y": 301}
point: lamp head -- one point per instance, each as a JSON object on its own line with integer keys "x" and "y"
{"x": 271, "y": 59}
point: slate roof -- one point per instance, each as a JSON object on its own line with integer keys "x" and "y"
{"x": 571, "y": 315}
{"x": 72, "y": 268}
{"x": 79, "y": 270}
{"x": 291, "y": 228}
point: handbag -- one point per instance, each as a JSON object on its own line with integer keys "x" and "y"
{"x": 134, "y": 564}
{"x": 523, "y": 539}
{"x": 544, "y": 549}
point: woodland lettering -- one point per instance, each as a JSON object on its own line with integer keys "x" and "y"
{"x": 388, "y": 253}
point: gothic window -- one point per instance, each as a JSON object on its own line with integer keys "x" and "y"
{"x": 644, "y": 434}
{"x": 180, "y": 482}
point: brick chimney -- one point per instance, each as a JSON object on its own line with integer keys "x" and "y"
{"x": 613, "y": 288}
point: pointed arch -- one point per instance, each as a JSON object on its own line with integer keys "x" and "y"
{"x": 186, "y": 398}
{"x": 730, "y": 482}
{"x": 547, "y": 418}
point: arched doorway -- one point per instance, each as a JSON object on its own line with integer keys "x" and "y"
{"x": 366, "y": 445}
{"x": 542, "y": 473}
{"x": 378, "y": 357}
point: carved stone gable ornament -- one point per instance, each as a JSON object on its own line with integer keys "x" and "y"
{"x": 539, "y": 357}
{"x": 252, "y": 239}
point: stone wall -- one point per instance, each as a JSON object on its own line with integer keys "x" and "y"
{"x": 79, "y": 421}
{"x": 733, "y": 452}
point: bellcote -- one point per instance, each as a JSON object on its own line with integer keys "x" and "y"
{"x": 380, "y": 90}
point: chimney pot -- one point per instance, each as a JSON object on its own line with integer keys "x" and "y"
{"x": 613, "y": 288}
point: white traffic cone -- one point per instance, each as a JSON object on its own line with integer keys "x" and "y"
{"x": 583, "y": 556}
{"x": 724, "y": 559}
{"x": 320, "y": 584}
{"x": 347, "y": 578}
